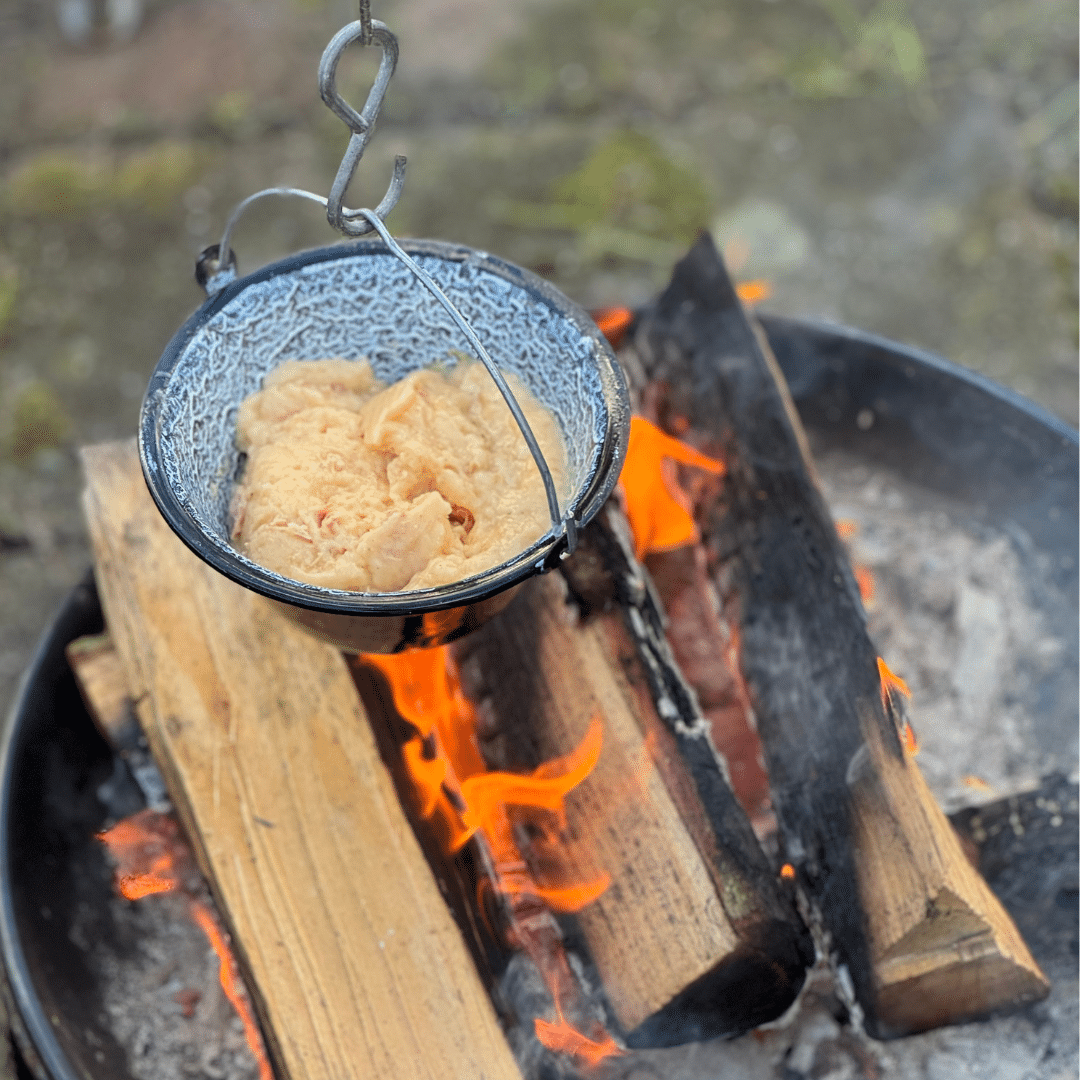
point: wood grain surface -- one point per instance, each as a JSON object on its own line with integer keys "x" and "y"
{"x": 692, "y": 937}
{"x": 353, "y": 960}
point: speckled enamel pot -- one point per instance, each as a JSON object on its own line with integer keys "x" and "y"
{"x": 355, "y": 300}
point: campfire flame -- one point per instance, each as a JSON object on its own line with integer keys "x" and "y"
{"x": 753, "y": 291}
{"x": 614, "y": 322}
{"x": 892, "y": 684}
{"x": 864, "y": 578}
{"x": 151, "y": 857}
{"x": 658, "y": 509}
{"x": 453, "y": 788}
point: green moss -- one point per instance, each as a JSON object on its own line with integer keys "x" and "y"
{"x": 65, "y": 185}
{"x": 154, "y": 179}
{"x": 54, "y": 184}
{"x": 629, "y": 183}
{"x": 9, "y": 289}
{"x": 38, "y": 422}
{"x": 231, "y": 114}
{"x": 882, "y": 49}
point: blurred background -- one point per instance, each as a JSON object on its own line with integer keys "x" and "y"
{"x": 905, "y": 166}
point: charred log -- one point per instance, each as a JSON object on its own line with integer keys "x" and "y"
{"x": 693, "y": 938}
{"x": 923, "y": 938}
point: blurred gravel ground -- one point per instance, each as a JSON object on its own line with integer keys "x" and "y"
{"x": 908, "y": 168}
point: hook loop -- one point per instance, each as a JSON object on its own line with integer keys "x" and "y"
{"x": 361, "y": 124}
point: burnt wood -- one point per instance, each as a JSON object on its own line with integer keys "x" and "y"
{"x": 873, "y": 851}
{"x": 591, "y": 637}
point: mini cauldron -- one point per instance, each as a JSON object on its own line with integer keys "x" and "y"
{"x": 359, "y": 300}
{"x": 403, "y": 307}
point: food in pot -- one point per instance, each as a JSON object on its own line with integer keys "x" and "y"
{"x": 352, "y": 484}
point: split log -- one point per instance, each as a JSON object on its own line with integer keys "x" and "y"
{"x": 692, "y": 938}
{"x": 347, "y": 946}
{"x": 924, "y": 939}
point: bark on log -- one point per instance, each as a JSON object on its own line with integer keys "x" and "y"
{"x": 924, "y": 939}
{"x": 348, "y": 948}
{"x": 693, "y": 938}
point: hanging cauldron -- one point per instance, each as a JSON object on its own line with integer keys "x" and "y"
{"x": 403, "y": 307}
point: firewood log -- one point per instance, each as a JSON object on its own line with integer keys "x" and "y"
{"x": 347, "y": 946}
{"x": 924, "y": 939}
{"x": 102, "y": 682}
{"x": 692, "y": 938}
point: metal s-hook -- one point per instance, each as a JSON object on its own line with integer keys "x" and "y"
{"x": 361, "y": 124}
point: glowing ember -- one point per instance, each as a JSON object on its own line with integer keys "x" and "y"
{"x": 658, "y": 509}
{"x": 564, "y": 1039}
{"x": 753, "y": 292}
{"x": 148, "y": 853}
{"x": 864, "y": 578}
{"x": 152, "y": 857}
{"x": 976, "y": 782}
{"x": 787, "y": 872}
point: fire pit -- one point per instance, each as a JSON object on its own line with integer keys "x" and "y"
{"x": 887, "y": 423}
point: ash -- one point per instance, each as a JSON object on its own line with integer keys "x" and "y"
{"x": 161, "y": 996}
{"x": 966, "y": 615}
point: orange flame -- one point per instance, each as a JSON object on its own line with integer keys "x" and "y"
{"x": 976, "y": 782}
{"x": 454, "y": 788}
{"x": 613, "y": 323}
{"x": 658, "y": 509}
{"x": 544, "y": 789}
{"x": 864, "y": 578}
{"x": 753, "y": 292}
{"x": 890, "y": 682}
{"x": 152, "y": 857}
{"x": 564, "y": 1039}
{"x": 230, "y": 983}
{"x": 787, "y": 872}
{"x": 911, "y": 742}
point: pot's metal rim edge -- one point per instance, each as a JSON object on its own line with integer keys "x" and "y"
{"x": 540, "y": 556}
{"x": 931, "y": 360}
{"x": 29, "y": 1006}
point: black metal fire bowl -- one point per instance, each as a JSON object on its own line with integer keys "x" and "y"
{"x": 986, "y": 453}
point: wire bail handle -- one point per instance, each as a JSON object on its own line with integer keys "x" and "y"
{"x": 216, "y": 266}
